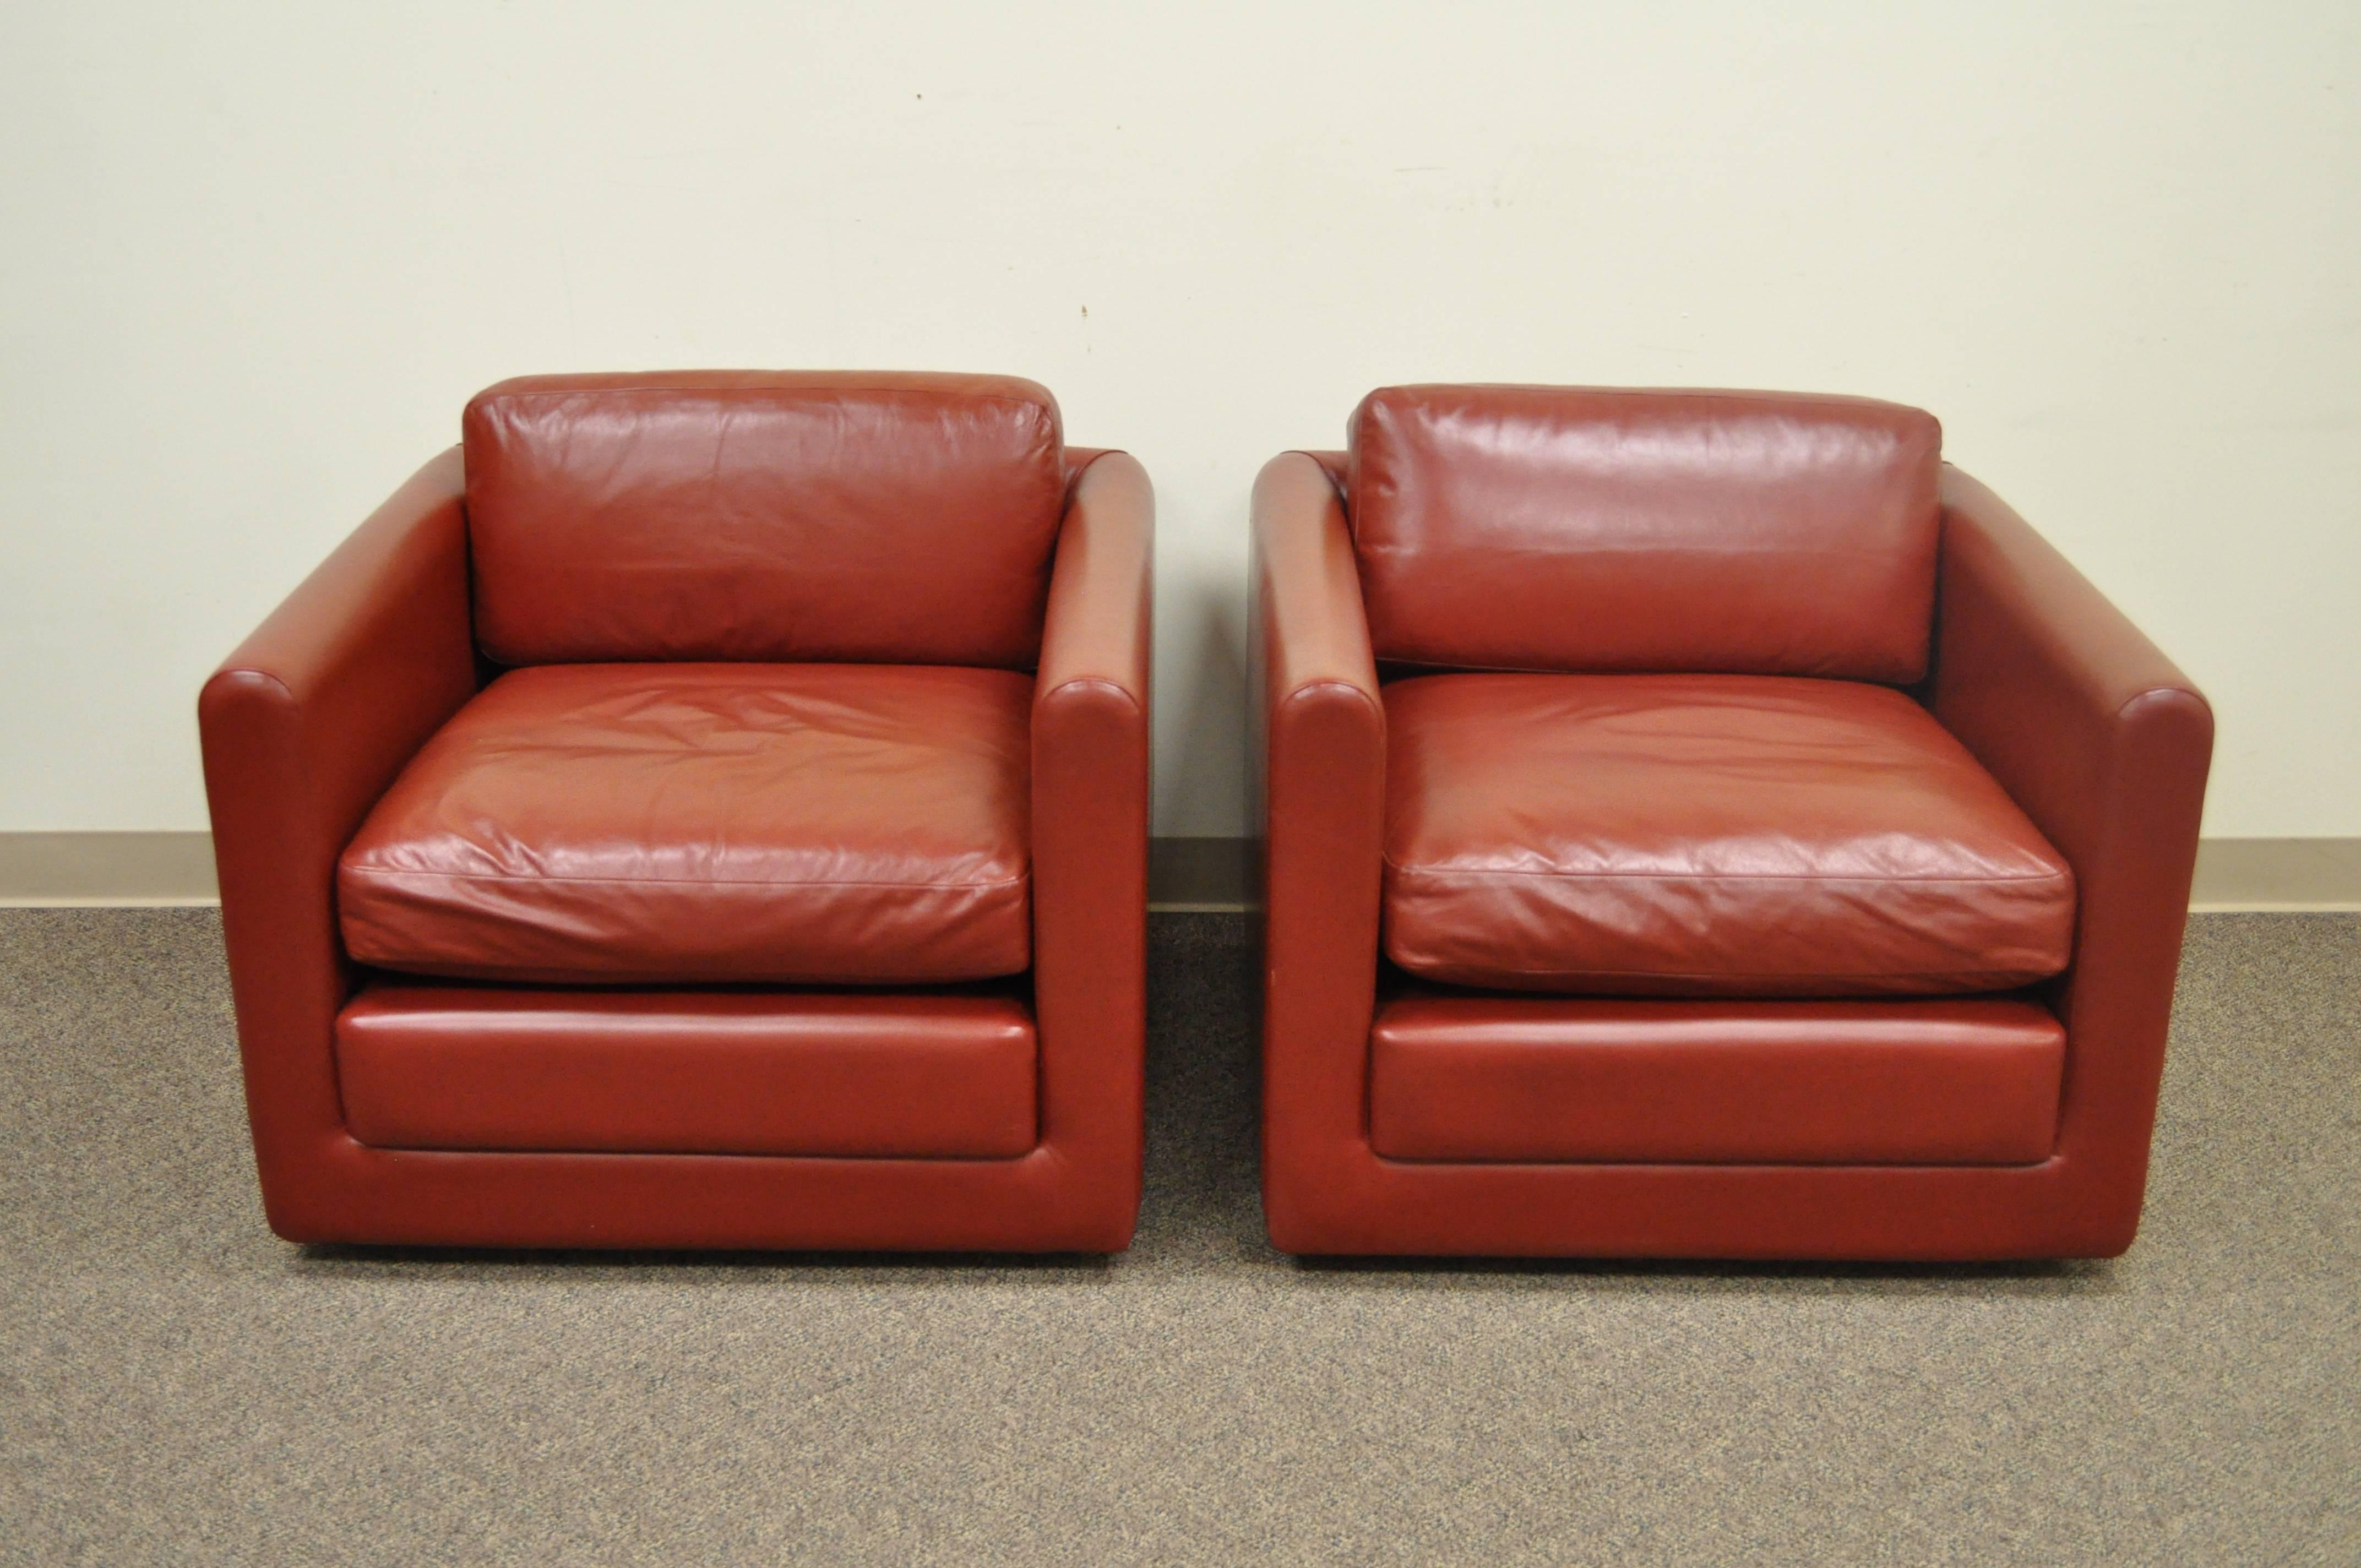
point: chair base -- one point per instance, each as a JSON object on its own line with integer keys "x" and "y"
{"x": 489, "y": 1063}
{"x": 1045, "y": 1202}
{"x": 1356, "y": 1204}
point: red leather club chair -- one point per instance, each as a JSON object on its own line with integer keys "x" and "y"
{"x": 1702, "y": 824}
{"x": 703, "y": 810}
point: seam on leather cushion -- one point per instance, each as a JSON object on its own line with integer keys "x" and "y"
{"x": 389, "y": 873}
{"x": 1813, "y": 974}
{"x": 939, "y": 396}
{"x": 1438, "y": 873}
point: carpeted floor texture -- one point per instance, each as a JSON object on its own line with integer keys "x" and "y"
{"x": 177, "y": 1386}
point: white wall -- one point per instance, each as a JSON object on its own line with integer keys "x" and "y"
{"x": 257, "y": 255}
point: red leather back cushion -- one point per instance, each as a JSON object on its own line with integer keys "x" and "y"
{"x": 762, "y": 516}
{"x": 1570, "y": 528}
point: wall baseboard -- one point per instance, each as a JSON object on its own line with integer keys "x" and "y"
{"x": 108, "y": 869}
{"x": 134, "y": 869}
{"x": 2277, "y": 873}
{"x": 1213, "y": 875}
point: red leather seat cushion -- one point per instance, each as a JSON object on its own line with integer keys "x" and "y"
{"x": 1705, "y": 836}
{"x": 431, "y": 1067}
{"x": 1938, "y": 1083}
{"x": 663, "y": 824}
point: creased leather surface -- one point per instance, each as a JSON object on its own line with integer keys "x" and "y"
{"x": 681, "y": 822}
{"x": 1952, "y": 1083}
{"x": 1557, "y": 528}
{"x": 899, "y": 518}
{"x": 1704, "y": 835}
{"x": 432, "y": 1067}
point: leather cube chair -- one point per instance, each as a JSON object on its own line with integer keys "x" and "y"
{"x": 1702, "y": 824}
{"x": 703, "y": 810}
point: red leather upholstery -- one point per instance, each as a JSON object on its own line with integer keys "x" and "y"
{"x": 1950, "y": 1083}
{"x": 1090, "y": 839}
{"x": 670, "y": 824}
{"x": 1552, "y": 528}
{"x": 745, "y": 515}
{"x": 429, "y": 1066}
{"x": 2096, "y": 737}
{"x": 303, "y": 729}
{"x": 2106, "y": 745}
{"x": 1705, "y": 836}
{"x": 306, "y": 726}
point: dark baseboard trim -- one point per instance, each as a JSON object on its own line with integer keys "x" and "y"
{"x": 1184, "y": 874}
{"x": 1213, "y": 875}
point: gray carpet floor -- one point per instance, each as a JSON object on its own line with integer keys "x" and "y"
{"x": 177, "y": 1386}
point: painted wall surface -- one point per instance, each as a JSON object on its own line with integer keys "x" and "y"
{"x": 258, "y": 255}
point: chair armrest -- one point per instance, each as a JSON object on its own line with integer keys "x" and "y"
{"x": 1321, "y": 743}
{"x": 2105, "y": 745}
{"x": 1096, "y": 630}
{"x": 303, "y": 729}
{"x": 1090, "y": 829}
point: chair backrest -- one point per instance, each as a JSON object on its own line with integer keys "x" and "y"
{"x": 1575, "y": 529}
{"x": 762, "y": 516}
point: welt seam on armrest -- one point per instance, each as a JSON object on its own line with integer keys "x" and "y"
{"x": 1334, "y": 683}
{"x": 1335, "y": 489}
{"x": 2149, "y": 694}
{"x": 1074, "y": 481}
{"x": 1100, "y": 683}
{"x": 284, "y": 689}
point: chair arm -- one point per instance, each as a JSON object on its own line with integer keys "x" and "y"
{"x": 1090, "y": 830}
{"x": 1096, "y": 630}
{"x": 2105, "y": 745}
{"x": 1321, "y": 743}
{"x": 303, "y": 729}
